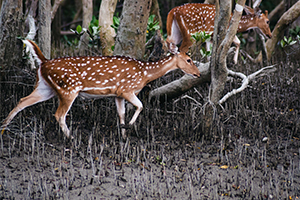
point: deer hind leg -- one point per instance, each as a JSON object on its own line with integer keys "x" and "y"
{"x": 120, "y": 102}
{"x": 65, "y": 104}
{"x": 132, "y": 98}
{"x": 41, "y": 93}
{"x": 237, "y": 43}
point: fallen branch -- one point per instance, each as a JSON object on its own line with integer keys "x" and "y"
{"x": 185, "y": 83}
{"x": 246, "y": 79}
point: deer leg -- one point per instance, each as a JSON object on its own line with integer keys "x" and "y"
{"x": 120, "y": 102}
{"x": 208, "y": 45}
{"x": 40, "y": 94}
{"x": 132, "y": 98}
{"x": 186, "y": 44}
{"x": 65, "y": 104}
{"x": 237, "y": 43}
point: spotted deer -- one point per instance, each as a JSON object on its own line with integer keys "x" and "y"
{"x": 95, "y": 76}
{"x": 183, "y": 21}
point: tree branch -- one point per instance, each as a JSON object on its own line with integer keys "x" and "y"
{"x": 246, "y": 80}
{"x": 185, "y": 83}
{"x": 285, "y": 20}
{"x": 54, "y": 8}
{"x": 278, "y": 10}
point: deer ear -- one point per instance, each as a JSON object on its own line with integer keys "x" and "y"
{"x": 248, "y": 10}
{"x": 257, "y": 11}
{"x": 266, "y": 13}
{"x": 173, "y": 48}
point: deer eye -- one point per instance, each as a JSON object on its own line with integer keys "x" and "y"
{"x": 189, "y": 60}
{"x": 268, "y": 22}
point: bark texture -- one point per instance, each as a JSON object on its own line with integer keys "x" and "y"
{"x": 222, "y": 41}
{"x": 44, "y": 32}
{"x": 285, "y": 20}
{"x": 107, "y": 33}
{"x": 87, "y": 14}
{"x": 131, "y": 37}
{"x": 12, "y": 26}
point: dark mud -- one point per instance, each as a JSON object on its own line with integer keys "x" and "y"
{"x": 252, "y": 153}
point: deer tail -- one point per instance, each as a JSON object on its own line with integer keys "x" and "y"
{"x": 35, "y": 51}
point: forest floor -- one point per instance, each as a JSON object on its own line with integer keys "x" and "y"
{"x": 252, "y": 153}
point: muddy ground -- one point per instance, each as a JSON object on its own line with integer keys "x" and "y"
{"x": 252, "y": 152}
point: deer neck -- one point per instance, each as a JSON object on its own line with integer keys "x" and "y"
{"x": 247, "y": 22}
{"x": 154, "y": 70}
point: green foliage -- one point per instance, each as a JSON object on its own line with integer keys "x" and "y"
{"x": 152, "y": 26}
{"x": 79, "y": 31}
{"x": 242, "y": 39}
{"x": 295, "y": 32}
{"x": 205, "y": 53}
{"x": 287, "y": 42}
{"x": 94, "y": 28}
{"x": 116, "y": 22}
{"x": 201, "y": 36}
{"x": 93, "y": 32}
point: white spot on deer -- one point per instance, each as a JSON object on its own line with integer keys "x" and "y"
{"x": 83, "y": 74}
{"x": 104, "y": 82}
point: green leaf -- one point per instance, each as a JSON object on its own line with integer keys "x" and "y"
{"x": 293, "y": 42}
{"x": 282, "y": 43}
{"x": 78, "y": 29}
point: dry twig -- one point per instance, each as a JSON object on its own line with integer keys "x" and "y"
{"x": 246, "y": 79}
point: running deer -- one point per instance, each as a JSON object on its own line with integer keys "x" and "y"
{"x": 93, "y": 77}
{"x": 183, "y": 21}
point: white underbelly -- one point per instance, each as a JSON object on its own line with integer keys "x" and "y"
{"x": 94, "y": 96}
